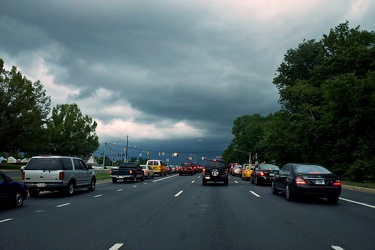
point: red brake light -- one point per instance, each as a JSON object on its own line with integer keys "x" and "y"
{"x": 61, "y": 176}
{"x": 300, "y": 181}
{"x": 337, "y": 183}
{"x": 261, "y": 173}
{"x": 226, "y": 171}
{"x": 203, "y": 171}
{"x": 110, "y": 171}
{"x": 23, "y": 175}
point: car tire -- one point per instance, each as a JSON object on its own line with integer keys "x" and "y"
{"x": 204, "y": 182}
{"x": 143, "y": 178}
{"x": 288, "y": 193}
{"x": 134, "y": 179}
{"x": 274, "y": 190}
{"x": 114, "y": 180}
{"x": 70, "y": 188}
{"x": 34, "y": 193}
{"x": 18, "y": 200}
{"x": 92, "y": 185}
{"x": 256, "y": 180}
{"x": 226, "y": 182}
{"x": 333, "y": 199}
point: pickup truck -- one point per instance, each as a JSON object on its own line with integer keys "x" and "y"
{"x": 127, "y": 171}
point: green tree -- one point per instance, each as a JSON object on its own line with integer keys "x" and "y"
{"x": 71, "y": 133}
{"x": 24, "y": 107}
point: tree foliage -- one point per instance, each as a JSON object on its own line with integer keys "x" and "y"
{"x": 70, "y": 132}
{"x": 24, "y": 107}
{"x": 327, "y": 93}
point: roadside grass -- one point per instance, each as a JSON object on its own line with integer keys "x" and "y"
{"x": 359, "y": 184}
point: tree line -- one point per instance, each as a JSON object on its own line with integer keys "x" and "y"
{"x": 327, "y": 116}
{"x": 27, "y": 123}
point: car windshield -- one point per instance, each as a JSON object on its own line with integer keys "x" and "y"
{"x": 215, "y": 164}
{"x": 268, "y": 167}
{"x": 310, "y": 169}
{"x": 43, "y": 164}
{"x": 186, "y": 164}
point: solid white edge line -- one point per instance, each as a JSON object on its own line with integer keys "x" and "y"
{"x": 162, "y": 179}
{"x": 178, "y": 193}
{"x": 255, "y": 194}
{"x": 116, "y": 246}
{"x": 63, "y": 205}
{"x": 356, "y": 202}
{"x": 9, "y": 219}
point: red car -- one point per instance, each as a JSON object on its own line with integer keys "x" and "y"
{"x": 186, "y": 168}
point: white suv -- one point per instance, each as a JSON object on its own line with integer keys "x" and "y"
{"x": 62, "y": 173}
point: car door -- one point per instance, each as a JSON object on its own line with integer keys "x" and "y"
{"x": 83, "y": 175}
{"x": 4, "y": 189}
{"x": 280, "y": 181}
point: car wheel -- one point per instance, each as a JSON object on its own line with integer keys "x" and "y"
{"x": 134, "y": 179}
{"x": 34, "y": 193}
{"x": 274, "y": 190}
{"x": 143, "y": 178}
{"x": 226, "y": 182}
{"x": 70, "y": 189}
{"x": 92, "y": 185}
{"x": 204, "y": 182}
{"x": 288, "y": 194}
{"x": 18, "y": 200}
{"x": 333, "y": 199}
{"x": 114, "y": 180}
{"x": 256, "y": 180}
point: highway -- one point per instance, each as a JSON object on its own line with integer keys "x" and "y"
{"x": 177, "y": 212}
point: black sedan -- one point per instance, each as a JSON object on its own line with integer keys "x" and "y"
{"x": 12, "y": 192}
{"x": 307, "y": 180}
{"x": 263, "y": 173}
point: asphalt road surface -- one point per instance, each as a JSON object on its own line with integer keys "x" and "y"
{"x": 177, "y": 212}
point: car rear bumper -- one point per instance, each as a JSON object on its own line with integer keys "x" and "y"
{"x": 215, "y": 178}
{"x": 318, "y": 191}
{"x": 46, "y": 186}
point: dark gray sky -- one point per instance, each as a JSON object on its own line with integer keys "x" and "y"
{"x": 165, "y": 73}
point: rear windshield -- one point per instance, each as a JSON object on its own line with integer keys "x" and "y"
{"x": 309, "y": 169}
{"x": 215, "y": 164}
{"x": 44, "y": 164}
{"x": 128, "y": 165}
{"x": 268, "y": 167}
{"x": 186, "y": 164}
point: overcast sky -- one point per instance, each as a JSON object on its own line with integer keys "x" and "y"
{"x": 165, "y": 73}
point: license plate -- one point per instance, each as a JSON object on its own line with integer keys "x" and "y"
{"x": 40, "y": 184}
{"x": 271, "y": 174}
{"x": 207, "y": 177}
{"x": 319, "y": 182}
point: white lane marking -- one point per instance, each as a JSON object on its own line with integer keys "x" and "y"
{"x": 192, "y": 181}
{"x": 356, "y": 202}
{"x": 162, "y": 179}
{"x": 116, "y": 246}
{"x": 39, "y": 211}
{"x": 236, "y": 181}
{"x": 257, "y": 195}
{"x": 134, "y": 186}
{"x": 63, "y": 205}
{"x": 178, "y": 193}
{"x": 96, "y": 196}
{"x": 337, "y": 248}
{"x": 9, "y": 219}
{"x": 118, "y": 190}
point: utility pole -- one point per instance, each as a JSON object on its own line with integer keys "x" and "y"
{"x": 127, "y": 147}
{"x": 105, "y": 144}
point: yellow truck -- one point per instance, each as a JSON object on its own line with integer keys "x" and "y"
{"x": 158, "y": 166}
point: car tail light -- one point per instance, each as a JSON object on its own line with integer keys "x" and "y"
{"x": 300, "y": 181}
{"x": 23, "y": 175}
{"x": 61, "y": 176}
{"x": 337, "y": 183}
{"x": 203, "y": 171}
{"x": 131, "y": 171}
{"x": 261, "y": 173}
{"x": 110, "y": 171}
{"x": 226, "y": 171}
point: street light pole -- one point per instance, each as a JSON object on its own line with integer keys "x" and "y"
{"x": 248, "y": 153}
{"x": 195, "y": 158}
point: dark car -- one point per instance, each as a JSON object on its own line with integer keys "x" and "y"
{"x": 215, "y": 170}
{"x": 12, "y": 192}
{"x": 264, "y": 173}
{"x": 186, "y": 168}
{"x": 304, "y": 179}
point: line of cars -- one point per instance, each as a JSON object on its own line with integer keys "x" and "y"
{"x": 294, "y": 180}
